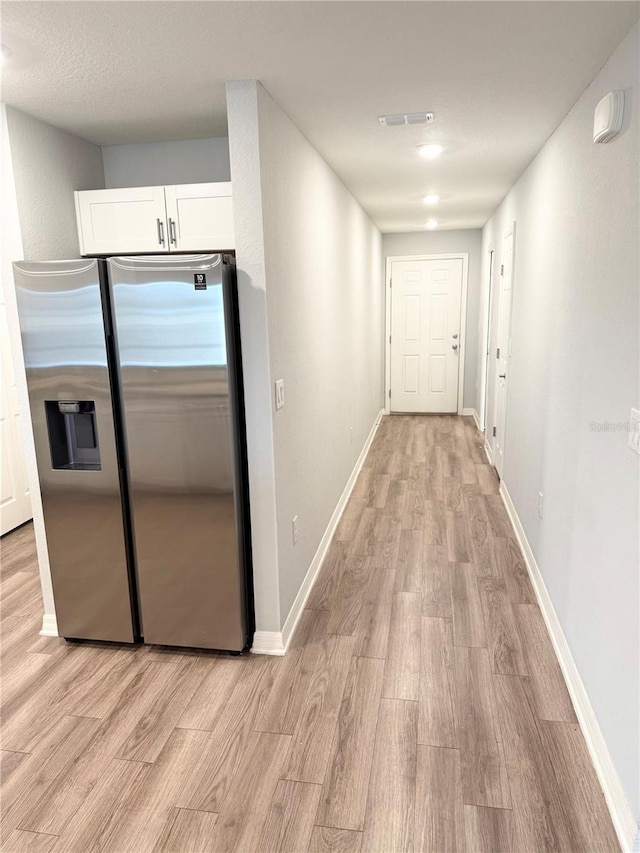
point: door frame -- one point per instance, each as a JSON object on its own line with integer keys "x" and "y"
{"x": 510, "y": 231}
{"x": 464, "y": 257}
{"x": 486, "y": 342}
{"x": 19, "y": 510}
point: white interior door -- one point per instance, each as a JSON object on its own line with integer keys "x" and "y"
{"x": 15, "y": 501}
{"x": 503, "y": 352}
{"x": 426, "y": 297}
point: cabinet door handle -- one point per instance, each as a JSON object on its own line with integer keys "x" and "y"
{"x": 160, "y": 232}
{"x": 172, "y": 232}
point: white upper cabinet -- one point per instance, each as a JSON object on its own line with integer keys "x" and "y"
{"x": 122, "y": 220}
{"x": 200, "y": 216}
{"x": 191, "y": 217}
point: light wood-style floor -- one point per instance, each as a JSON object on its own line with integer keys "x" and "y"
{"x": 420, "y": 708}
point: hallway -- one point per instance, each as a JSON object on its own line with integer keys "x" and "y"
{"x": 420, "y": 707}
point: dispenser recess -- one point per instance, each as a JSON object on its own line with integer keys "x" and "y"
{"x": 73, "y": 435}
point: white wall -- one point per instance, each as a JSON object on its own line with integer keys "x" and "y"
{"x": 187, "y": 161}
{"x": 41, "y": 167}
{"x": 442, "y": 243}
{"x": 11, "y": 250}
{"x": 48, "y": 165}
{"x": 244, "y": 146}
{"x": 318, "y": 258}
{"x": 324, "y": 298}
{"x": 575, "y": 362}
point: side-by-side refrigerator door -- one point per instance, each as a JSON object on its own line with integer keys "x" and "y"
{"x": 171, "y": 330}
{"x": 65, "y": 354}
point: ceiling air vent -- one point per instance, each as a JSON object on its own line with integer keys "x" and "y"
{"x": 407, "y": 118}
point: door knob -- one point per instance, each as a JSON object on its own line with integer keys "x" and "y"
{"x": 454, "y": 346}
{"x": 502, "y": 376}
{"x": 454, "y": 337}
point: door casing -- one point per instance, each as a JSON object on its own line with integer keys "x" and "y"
{"x": 15, "y": 508}
{"x": 486, "y": 345}
{"x": 464, "y": 256}
{"x": 502, "y": 339}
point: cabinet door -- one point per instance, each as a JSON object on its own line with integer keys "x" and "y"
{"x": 200, "y": 217}
{"x": 122, "y": 220}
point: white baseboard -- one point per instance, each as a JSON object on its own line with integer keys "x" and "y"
{"x": 276, "y": 642}
{"x": 486, "y": 445}
{"x": 617, "y": 802}
{"x": 472, "y": 413}
{"x": 268, "y": 643}
{"x": 49, "y": 625}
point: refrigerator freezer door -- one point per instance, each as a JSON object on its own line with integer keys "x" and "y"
{"x": 170, "y": 319}
{"x": 65, "y": 353}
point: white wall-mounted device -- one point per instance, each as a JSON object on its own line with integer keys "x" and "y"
{"x": 607, "y": 121}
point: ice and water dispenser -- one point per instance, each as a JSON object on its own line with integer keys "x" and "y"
{"x": 73, "y": 434}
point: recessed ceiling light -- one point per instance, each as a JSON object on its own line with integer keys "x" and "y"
{"x": 431, "y": 198}
{"x": 432, "y": 149}
{"x": 431, "y": 224}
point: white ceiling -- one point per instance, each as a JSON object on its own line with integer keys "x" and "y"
{"x": 499, "y": 77}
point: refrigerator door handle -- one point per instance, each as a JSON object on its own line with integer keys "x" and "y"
{"x": 160, "y": 232}
{"x": 172, "y": 232}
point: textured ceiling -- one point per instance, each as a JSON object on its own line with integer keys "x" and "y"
{"x": 499, "y": 77}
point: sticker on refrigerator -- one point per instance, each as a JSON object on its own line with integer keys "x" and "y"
{"x": 200, "y": 281}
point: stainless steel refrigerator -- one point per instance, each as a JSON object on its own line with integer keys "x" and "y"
{"x": 135, "y": 388}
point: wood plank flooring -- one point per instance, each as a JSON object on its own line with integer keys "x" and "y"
{"x": 420, "y": 707}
